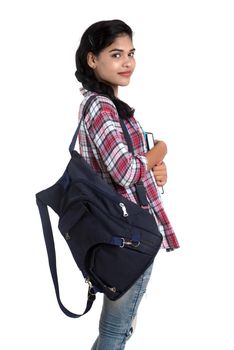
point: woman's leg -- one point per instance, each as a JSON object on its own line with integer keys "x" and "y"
{"x": 117, "y": 317}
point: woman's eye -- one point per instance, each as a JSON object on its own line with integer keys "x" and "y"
{"x": 131, "y": 54}
{"x": 116, "y": 55}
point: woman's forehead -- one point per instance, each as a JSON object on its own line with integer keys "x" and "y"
{"x": 123, "y": 42}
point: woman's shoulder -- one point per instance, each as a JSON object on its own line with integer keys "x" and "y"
{"x": 99, "y": 105}
{"x": 98, "y": 102}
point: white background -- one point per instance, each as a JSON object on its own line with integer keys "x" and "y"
{"x": 182, "y": 90}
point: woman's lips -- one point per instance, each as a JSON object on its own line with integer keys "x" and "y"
{"x": 125, "y": 74}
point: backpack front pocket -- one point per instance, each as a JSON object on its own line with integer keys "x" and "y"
{"x": 114, "y": 269}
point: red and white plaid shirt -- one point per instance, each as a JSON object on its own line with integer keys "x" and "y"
{"x": 102, "y": 144}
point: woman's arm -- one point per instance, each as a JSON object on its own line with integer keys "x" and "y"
{"x": 106, "y": 133}
{"x": 156, "y": 154}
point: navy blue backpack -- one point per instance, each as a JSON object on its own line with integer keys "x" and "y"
{"x": 112, "y": 240}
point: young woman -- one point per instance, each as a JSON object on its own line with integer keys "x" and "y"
{"x": 104, "y": 61}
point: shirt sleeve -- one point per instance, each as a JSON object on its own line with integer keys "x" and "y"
{"x": 106, "y": 133}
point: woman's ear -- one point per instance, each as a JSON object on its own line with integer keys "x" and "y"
{"x": 91, "y": 60}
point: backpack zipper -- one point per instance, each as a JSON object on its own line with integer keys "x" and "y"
{"x": 125, "y": 213}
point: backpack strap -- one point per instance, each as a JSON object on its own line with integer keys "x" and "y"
{"x": 140, "y": 188}
{"x": 49, "y": 241}
{"x": 86, "y": 106}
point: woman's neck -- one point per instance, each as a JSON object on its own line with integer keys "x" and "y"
{"x": 115, "y": 88}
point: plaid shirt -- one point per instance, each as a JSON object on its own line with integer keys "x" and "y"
{"x": 103, "y": 146}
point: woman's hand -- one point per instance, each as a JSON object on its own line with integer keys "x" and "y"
{"x": 156, "y": 154}
{"x": 160, "y": 174}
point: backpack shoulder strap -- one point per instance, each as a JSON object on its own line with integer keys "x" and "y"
{"x": 140, "y": 189}
{"x": 86, "y": 106}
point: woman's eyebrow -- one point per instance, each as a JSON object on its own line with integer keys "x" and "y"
{"x": 120, "y": 50}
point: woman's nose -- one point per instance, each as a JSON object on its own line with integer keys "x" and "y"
{"x": 127, "y": 62}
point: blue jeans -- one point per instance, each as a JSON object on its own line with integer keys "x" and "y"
{"x": 117, "y": 317}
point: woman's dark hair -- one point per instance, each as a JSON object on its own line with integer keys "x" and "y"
{"x": 96, "y": 38}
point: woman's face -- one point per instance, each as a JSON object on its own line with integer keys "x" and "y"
{"x": 115, "y": 64}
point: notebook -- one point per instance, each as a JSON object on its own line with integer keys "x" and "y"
{"x": 149, "y": 137}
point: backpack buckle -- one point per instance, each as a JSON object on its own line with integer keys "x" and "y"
{"x": 87, "y": 280}
{"x": 91, "y": 291}
{"x": 129, "y": 242}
